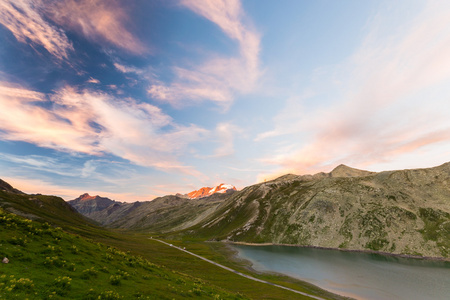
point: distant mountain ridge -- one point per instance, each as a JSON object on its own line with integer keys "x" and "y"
{"x": 179, "y": 211}
{"x": 87, "y": 204}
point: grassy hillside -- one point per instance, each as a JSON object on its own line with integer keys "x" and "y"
{"x": 46, "y": 262}
{"x": 52, "y": 209}
{"x": 403, "y": 212}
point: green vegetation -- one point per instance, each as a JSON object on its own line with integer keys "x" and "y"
{"x": 437, "y": 228}
{"x": 46, "y": 262}
{"x": 52, "y": 209}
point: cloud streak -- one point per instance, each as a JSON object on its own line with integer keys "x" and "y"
{"x": 219, "y": 78}
{"x": 96, "y": 123}
{"x": 97, "y": 20}
{"x": 24, "y": 19}
{"x": 370, "y": 121}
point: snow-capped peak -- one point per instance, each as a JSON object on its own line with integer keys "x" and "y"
{"x": 221, "y": 188}
{"x": 208, "y": 191}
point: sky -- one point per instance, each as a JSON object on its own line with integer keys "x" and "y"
{"x": 143, "y": 98}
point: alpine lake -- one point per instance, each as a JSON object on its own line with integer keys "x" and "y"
{"x": 354, "y": 274}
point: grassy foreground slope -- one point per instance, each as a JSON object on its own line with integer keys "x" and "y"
{"x": 46, "y": 262}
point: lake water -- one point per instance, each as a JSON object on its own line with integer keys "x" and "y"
{"x": 357, "y": 275}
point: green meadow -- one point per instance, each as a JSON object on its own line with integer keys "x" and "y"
{"x": 45, "y": 262}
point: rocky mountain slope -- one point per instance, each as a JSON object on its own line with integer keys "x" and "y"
{"x": 169, "y": 213}
{"x": 403, "y": 212}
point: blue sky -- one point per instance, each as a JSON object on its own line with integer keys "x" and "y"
{"x": 138, "y": 99}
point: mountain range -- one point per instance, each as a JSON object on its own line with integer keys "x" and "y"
{"x": 400, "y": 212}
{"x": 172, "y": 212}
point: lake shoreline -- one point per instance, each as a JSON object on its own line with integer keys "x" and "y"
{"x": 343, "y": 250}
{"x": 233, "y": 255}
{"x": 354, "y": 274}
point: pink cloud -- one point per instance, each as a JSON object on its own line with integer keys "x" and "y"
{"x": 23, "y": 18}
{"x": 127, "y": 69}
{"x": 39, "y": 126}
{"x": 93, "y": 80}
{"x": 391, "y": 102}
{"x": 98, "y": 20}
{"x": 219, "y": 78}
{"x": 138, "y": 132}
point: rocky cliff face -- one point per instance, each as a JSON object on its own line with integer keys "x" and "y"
{"x": 404, "y": 212}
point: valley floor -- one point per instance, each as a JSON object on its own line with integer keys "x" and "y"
{"x": 241, "y": 274}
{"x": 266, "y": 286}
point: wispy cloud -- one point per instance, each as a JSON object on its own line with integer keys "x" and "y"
{"x": 219, "y": 78}
{"x": 33, "y": 161}
{"x": 128, "y": 69}
{"x": 47, "y": 164}
{"x": 88, "y": 168}
{"x": 370, "y": 121}
{"x": 224, "y": 134}
{"x": 24, "y": 19}
{"x": 98, "y": 20}
{"x": 96, "y": 123}
{"x": 93, "y": 80}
